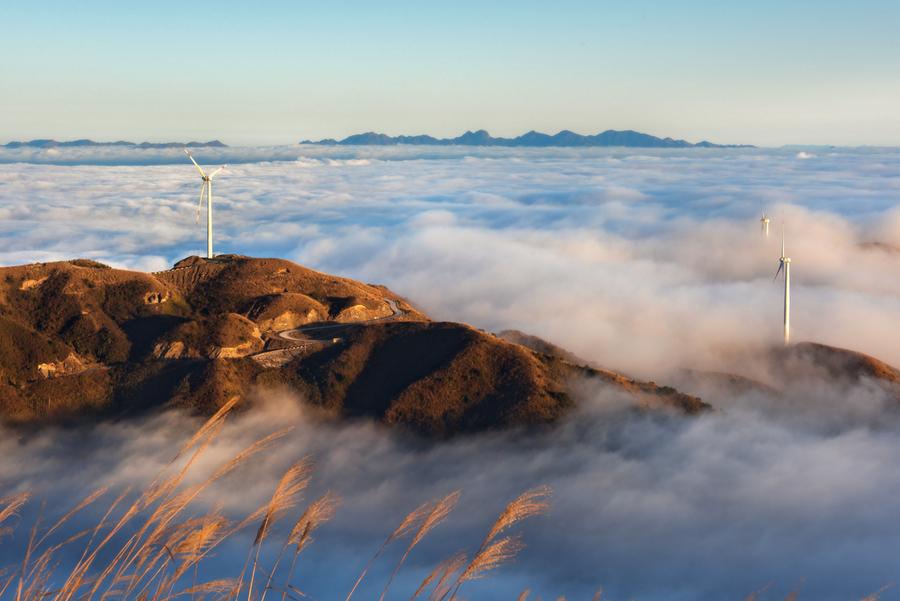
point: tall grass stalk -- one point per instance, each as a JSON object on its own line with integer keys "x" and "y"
{"x": 148, "y": 544}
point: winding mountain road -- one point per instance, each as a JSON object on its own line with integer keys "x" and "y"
{"x": 324, "y": 335}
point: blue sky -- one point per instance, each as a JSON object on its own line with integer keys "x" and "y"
{"x": 274, "y": 72}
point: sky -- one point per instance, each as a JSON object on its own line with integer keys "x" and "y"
{"x": 261, "y": 73}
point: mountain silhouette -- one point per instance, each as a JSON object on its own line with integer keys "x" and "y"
{"x": 533, "y": 139}
{"x": 46, "y": 143}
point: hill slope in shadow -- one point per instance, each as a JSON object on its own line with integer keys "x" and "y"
{"x": 82, "y": 341}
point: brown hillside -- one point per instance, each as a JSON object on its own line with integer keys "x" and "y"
{"x": 541, "y": 346}
{"x": 440, "y": 378}
{"x": 245, "y": 285}
{"x": 788, "y": 367}
{"x": 838, "y": 365}
{"x": 80, "y": 339}
{"x": 714, "y": 384}
{"x": 647, "y": 394}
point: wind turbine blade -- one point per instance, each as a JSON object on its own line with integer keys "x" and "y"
{"x": 200, "y": 203}
{"x": 213, "y": 174}
{"x": 777, "y": 273}
{"x": 194, "y": 162}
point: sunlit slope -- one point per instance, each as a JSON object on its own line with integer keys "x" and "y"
{"x": 82, "y": 340}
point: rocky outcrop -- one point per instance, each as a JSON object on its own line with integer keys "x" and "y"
{"x": 29, "y": 284}
{"x": 286, "y": 311}
{"x": 169, "y": 350}
{"x": 72, "y": 364}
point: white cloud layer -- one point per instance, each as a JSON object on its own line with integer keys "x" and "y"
{"x": 640, "y": 260}
{"x": 656, "y": 509}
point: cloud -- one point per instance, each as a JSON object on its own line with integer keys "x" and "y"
{"x": 770, "y": 490}
{"x": 645, "y": 261}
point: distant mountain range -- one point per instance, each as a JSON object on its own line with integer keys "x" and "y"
{"x": 535, "y": 139}
{"x": 85, "y": 142}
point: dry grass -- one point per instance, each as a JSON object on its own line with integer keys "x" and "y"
{"x": 149, "y": 545}
{"x": 407, "y": 525}
{"x": 319, "y": 511}
{"x": 757, "y": 594}
{"x": 528, "y": 504}
{"x": 292, "y": 483}
{"x": 877, "y": 594}
{"x": 441, "y": 573}
{"x": 438, "y": 513}
{"x": 495, "y": 554}
{"x": 492, "y": 553}
{"x": 445, "y": 582}
{"x": 9, "y": 508}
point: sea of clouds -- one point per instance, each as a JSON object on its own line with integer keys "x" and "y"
{"x": 645, "y": 261}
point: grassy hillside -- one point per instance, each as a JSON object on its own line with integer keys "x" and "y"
{"x": 81, "y": 340}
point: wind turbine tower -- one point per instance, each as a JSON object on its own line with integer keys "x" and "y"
{"x": 206, "y": 187}
{"x": 784, "y": 263}
{"x": 764, "y": 224}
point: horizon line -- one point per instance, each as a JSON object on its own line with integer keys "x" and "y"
{"x": 25, "y": 141}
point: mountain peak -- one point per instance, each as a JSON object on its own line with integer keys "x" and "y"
{"x": 532, "y": 138}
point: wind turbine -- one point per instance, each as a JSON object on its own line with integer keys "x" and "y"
{"x": 764, "y": 223}
{"x": 205, "y": 186}
{"x": 784, "y": 263}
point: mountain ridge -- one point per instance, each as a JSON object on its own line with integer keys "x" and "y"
{"x": 532, "y": 139}
{"x": 80, "y": 341}
{"x": 838, "y": 368}
{"x": 85, "y": 142}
